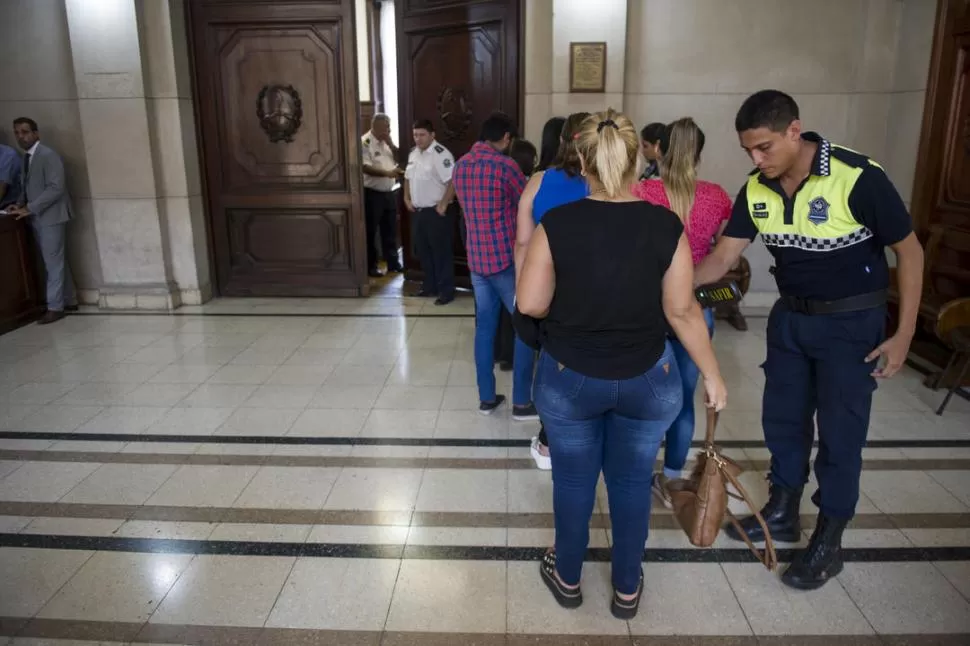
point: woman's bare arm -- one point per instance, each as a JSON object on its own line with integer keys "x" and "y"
{"x": 537, "y": 281}
{"x": 525, "y": 225}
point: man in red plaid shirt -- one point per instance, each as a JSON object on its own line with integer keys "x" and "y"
{"x": 488, "y": 184}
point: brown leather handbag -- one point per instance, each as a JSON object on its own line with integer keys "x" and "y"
{"x": 701, "y": 500}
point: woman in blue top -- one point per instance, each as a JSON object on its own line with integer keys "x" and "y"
{"x": 559, "y": 184}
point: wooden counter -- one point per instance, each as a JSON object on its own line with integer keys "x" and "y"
{"x": 19, "y": 298}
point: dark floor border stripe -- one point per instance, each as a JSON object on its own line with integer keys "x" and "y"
{"x": 323, "y": 461}
{"x": 402, "y": 441}
{"x": 445, "y": 552}
{"x": 143, "y": 632}
{"x": 658, "y": 520}
{"x": 378, "y": 315}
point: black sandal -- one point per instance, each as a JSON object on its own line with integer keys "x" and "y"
{"x": 567, "y": 598}
{"x": 626, "y": 609}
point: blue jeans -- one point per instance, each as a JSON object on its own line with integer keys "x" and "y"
{"x": 681, "y": 432}
{"x": 610, "y": 426}
{"x": 492, "y": 293}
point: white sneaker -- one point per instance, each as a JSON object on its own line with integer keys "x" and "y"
{"x": 544, "y": 462}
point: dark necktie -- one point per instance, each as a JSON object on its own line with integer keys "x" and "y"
{"x": 26, "y": 165}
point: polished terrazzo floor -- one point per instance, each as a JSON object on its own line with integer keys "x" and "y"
{"x": 269, "y": 471}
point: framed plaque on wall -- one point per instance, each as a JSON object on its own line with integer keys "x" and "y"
{"x": 587, "y": 67}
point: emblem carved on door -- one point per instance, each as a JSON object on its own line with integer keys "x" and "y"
{"x": 455, "y": 113}
{"x": 280, "y": 112}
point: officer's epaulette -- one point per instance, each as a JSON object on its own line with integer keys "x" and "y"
{"x": 439, "y": 149}
{"x": 849, "y": 157}
{"x": 367, "y": 141}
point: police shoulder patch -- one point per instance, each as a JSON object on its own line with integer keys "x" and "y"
{"x": 446, "y": 163}
{"x": 818, "y": 211}
{"x": 367, "y": 141}
{"x": 439, "y": 149}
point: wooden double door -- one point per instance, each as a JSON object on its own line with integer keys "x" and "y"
{"x": 277, "y": 105}
{"x": 458, "y": 62}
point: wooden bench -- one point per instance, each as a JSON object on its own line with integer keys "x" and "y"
{"x": 945, "y": 304}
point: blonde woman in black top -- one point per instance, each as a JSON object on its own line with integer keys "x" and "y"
{"x": 603, "y": 273}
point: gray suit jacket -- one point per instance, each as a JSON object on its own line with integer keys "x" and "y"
{"x": 45, "y": 188}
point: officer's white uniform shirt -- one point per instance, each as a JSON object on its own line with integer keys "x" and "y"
{"x": 379, "y": 155}
{"x": 428, "y": 174}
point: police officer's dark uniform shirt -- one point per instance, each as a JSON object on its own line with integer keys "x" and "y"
{"x": 829, "y": 239}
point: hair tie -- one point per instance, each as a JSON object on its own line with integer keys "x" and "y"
{"x": 606, "y": 122}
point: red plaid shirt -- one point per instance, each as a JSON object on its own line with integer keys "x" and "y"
{"x": 489, "y": 185}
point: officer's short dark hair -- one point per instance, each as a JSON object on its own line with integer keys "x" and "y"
{"x": 423, "y": 124}
{"x": 652, "y": 132}
{"x": 770, "y": 109}
{"x": 523, "y": 153}
{"x": 30, "y": 123}
{"x": 496, "y": 126}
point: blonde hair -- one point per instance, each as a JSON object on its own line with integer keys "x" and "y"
{"x": 610, "y": 147}
{"x": 678, "y": 166}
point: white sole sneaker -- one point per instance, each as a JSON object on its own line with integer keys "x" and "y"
{"x": 544, "y": 462}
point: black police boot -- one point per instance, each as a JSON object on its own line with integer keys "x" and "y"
{"x": 821, "y": 560}
{"x": 781, "y": 517}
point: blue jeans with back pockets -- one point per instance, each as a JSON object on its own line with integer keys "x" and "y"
{"x": 613, "y": 426}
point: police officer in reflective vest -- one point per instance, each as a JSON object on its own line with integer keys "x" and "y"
{"x": 826, "y": 214}
{"x": 427, "y": 193}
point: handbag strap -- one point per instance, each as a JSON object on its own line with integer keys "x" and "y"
{"x": 712, "y": 416}
{"x": 768, "y": 558}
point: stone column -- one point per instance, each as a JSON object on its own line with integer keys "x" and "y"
{"x": 135, "y": 117}
{"x": 171, "y": 122}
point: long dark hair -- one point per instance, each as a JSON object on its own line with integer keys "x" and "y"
{"x": 549, "y": 147}
{"x": 567, "y": 158}
{"x": 523, "y": 153}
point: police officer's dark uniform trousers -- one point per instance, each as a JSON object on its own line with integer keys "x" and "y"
{"x": 828, "y": 242}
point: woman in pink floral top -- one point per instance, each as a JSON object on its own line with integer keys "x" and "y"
{"x": 704, "y": 208}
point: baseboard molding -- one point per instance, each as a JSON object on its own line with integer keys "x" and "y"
{"x": 158, "y": 297}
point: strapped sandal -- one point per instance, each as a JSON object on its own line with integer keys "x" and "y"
{"x": 565, "y": 597}
{"x": 626, "y": 609}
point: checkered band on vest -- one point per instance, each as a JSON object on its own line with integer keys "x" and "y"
{"x": 816, "y": 244}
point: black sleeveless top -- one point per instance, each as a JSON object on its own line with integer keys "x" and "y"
{"x": 606, "y": 318}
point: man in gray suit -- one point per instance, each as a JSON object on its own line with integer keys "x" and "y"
{"x": 45, "y": 201}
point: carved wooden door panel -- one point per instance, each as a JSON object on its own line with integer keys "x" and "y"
{"x": 457, "y": 63}
{"x": 276, "y": 95}
{"x": 941, "y": 192}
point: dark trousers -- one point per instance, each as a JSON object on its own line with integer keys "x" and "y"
{"x": 816, "y": 369}
{"x": 380, "y": 214}
{"x": 433, "y": 242}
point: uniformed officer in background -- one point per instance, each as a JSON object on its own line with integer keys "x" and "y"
{"x": 826, "y": 214}
{"x": 380, "y": 200}
{"x": 427, "y": 193}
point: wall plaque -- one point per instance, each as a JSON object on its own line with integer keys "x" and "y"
{"x": 587, "y": 67}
